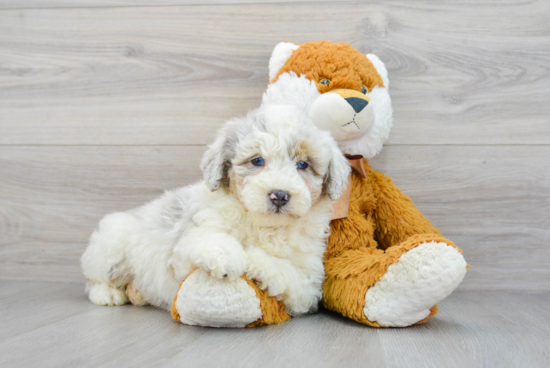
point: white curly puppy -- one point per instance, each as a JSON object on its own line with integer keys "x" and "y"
{"x": 262, "y": 210}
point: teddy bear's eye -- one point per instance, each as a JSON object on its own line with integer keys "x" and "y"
{"x": 364, "y": 90}
{"x": 324, "y": 81}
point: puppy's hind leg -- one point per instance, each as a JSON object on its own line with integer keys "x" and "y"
{"x": 105, "y": 294}
{"x": 104, "y": 261}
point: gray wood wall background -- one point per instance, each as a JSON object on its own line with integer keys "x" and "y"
{"x": 106, "y": 103}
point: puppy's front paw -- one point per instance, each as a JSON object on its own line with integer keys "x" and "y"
{"x": 223, "y": 256}
{"x": 264, "y": 271}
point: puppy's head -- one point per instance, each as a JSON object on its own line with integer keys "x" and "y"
{"x": 276, "y": 163}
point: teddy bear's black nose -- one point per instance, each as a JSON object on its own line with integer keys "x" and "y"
{"x": 279, "y": 198}
{"x": 358, "y": 104}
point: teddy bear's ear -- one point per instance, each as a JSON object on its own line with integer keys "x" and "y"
{"x": 380, "y": 68}
{"x": 280, "y": 55}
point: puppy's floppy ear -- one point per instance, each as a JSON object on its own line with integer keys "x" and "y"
{"x": 280, "y": 55}
{"x": 215, "y": 162}
{"x": 336, "y": 179}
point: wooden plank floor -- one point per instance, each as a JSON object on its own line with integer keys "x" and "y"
{"x": 54, "y": 325}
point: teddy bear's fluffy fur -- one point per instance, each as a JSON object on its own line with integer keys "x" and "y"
{"x": 227, "y": 226}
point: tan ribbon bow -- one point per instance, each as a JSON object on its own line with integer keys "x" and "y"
{"x": 340, "y": 208}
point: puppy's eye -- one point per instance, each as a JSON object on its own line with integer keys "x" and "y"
{"x": 364, "y": 89}
{"x": 258, "y": 161}
{"x": 324, "y": 81}
{"x": 302, "y": 165}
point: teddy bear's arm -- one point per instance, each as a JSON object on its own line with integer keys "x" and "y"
{"x": 400, "y": 285}
{"x": 397, "y": 218}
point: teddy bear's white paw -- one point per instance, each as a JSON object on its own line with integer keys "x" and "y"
{"x": 421, "y": 278}
{"x": 105, "y": 294}
{"x": 207, "y": 301}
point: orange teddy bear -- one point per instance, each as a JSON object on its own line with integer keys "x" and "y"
{"x": 385, "y": 264}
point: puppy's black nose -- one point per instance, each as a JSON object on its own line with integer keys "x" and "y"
{"x": 279, "y": 198}
{"x": 358, "y": 104}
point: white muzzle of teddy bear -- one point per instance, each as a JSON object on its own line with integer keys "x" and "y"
{"x": 346, "y": 118}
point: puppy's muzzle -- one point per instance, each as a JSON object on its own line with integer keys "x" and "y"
{"x": 279, "y": 198}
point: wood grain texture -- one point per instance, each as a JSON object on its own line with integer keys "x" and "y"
{"x": 51, "y": 199}
{"x": 461, "y": 72}
{"x": 476, "y": 330}
{"x": 55, "y": 325}
{"x": 494, "y": 202}
{"x": 52, "y": 4}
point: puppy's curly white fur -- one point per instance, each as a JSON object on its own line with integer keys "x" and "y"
{"x": 262, "y": 210}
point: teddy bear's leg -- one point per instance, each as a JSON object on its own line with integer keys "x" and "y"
{"x": 396, "y": 288}
{"x": 207, "y": 301}
{"x": 422, "y": 277}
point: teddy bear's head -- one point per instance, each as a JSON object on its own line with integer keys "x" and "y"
{"x": 343, "y": 91}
